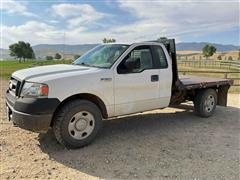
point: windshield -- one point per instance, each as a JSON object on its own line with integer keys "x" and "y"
{"x": 102, "y": 56}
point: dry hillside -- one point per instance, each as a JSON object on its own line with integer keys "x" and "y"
{"x": 198, "y": 55}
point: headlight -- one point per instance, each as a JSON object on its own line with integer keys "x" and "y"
{"x": 34, "y": 89}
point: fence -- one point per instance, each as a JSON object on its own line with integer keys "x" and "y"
{"x": 226, "y": 74}
{"x": 216, "y": 64}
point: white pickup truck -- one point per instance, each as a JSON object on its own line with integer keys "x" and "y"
{"x": 108, "y": 81}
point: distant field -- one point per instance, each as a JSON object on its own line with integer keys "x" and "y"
{"x": 198, "y": 55}
{"x": 8, "y": 67}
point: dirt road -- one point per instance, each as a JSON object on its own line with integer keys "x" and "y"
{"x": 162, "y": 144}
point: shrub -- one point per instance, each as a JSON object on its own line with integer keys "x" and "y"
{"x": 58, "y": 56}
{"x": 219, "y": 57}
{"x": 49, "y": 58}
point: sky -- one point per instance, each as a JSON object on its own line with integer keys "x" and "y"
{"x": 81, "y": 22}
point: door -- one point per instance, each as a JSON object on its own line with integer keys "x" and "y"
{"x": 136, "y": 82}
{"x": 162, "y": 60}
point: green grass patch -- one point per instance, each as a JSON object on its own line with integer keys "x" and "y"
{"x": 8, "y": 67}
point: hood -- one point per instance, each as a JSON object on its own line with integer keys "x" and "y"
{"x": 35, "y": 72}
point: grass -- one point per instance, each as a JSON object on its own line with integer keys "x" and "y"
{"x": 8, "y": 67}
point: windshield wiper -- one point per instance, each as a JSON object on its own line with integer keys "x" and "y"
{"x": 83, "y": 63}
{"x": 89, "y": 65}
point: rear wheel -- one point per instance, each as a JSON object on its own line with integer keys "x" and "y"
{"x": 205, "y": 102}
{"x": 77, "y": 123}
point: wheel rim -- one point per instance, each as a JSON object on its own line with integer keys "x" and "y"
{"x": 81, "y": 125}
{"x": 209, "y": 103}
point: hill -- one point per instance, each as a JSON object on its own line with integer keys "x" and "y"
{"x": 4, "y": 54}
{"x": 193, "y": 46}
{"x": 67, "y": 51}
{"x": 80, "y": 48}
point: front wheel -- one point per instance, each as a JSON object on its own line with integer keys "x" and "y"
{"x": 77, "y": 123}
{"x": 205, "y": 102}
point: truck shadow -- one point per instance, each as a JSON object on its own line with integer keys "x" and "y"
{"x": 141, "y": 146}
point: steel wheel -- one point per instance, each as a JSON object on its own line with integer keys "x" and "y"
{"x": 77, "y": 123}
{"x": 81, "y": 125}
{"x": 209, "y": 103}
{"x": 205, "y": 102}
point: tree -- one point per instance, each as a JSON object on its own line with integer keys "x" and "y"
{"x": 76, "y": 56}
{"x": 15, "y": 50}
{"x": 208, "y": 50}
{"x": 219, "y": 57}
{"x": 239, "y": 54}
{"x": 49, "y": 58}
{"x": 28, "y": 51}
{"x": 21, "y": 50}
{"x": 58, "y": 56}
{"x": 111, "y": 40}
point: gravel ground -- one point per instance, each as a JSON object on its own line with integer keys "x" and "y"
{"x": 162, "y": 144}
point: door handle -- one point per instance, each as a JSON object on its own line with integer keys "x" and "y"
{"x": 106, "y": 79}
{"x": 154, "y": 78}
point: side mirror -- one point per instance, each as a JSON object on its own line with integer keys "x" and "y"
{"x": 132, "y": 63}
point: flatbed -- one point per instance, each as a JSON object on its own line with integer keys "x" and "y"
{"x": 196, "y": 82}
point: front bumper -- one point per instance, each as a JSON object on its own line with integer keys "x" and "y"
{"x": 35, "y": 123}
{"x": 32, "y": 114}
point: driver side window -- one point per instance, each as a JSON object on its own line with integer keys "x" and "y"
{"x": 139, "y": 59}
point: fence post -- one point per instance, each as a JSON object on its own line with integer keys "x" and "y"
{"x": 225, "y": 75}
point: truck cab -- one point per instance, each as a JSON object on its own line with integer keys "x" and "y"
{"x": 108, "y": 81}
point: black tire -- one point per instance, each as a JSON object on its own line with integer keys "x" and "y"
{"x": 201, "y": 100}
{"x": 64, "y": 116}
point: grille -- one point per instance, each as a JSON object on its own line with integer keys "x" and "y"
{"x": 14, "y": 86}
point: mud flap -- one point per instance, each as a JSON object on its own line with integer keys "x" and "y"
{"x": 222, "y": 95}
